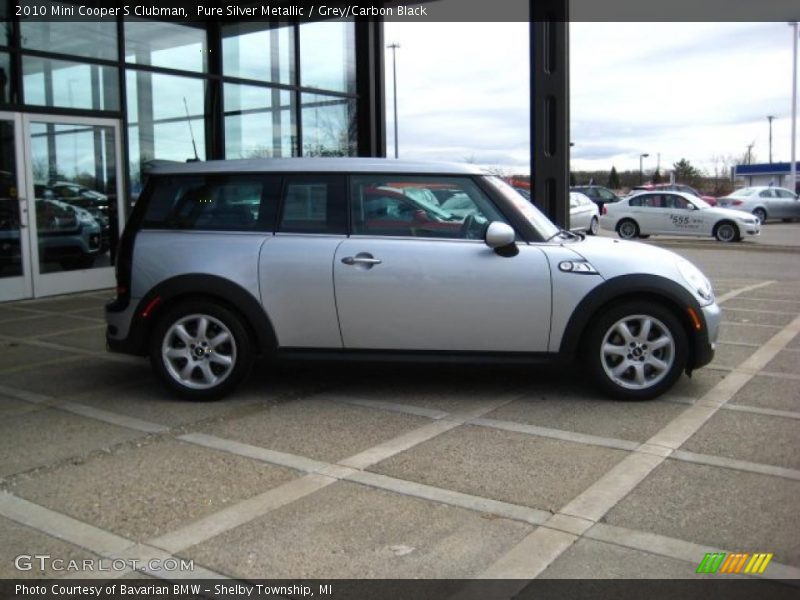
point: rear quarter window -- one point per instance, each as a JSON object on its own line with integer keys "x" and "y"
{"x": 213, "y": 203}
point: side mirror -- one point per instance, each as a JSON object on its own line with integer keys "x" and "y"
{"x": 691, "y": 207}
{"x": 499, "y": 235}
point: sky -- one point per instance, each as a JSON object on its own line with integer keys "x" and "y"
{"x": 700, "y": 91}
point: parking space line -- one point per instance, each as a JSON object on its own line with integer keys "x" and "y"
{"x": 742, "y": 290}
{"x": 763, "y": 310}
{"x": 676, "y": 549}
{"x": 481, "y": 504}
{"x": 112, "y": 418}
{"x": 738, "y": 465}
{"x": 240, "y": 513}
{"x": 36, "y": 365}
{"x": 764, "y": 325}
{"x": 98, "y": 541}
{"x": 25, "y": 395}
{"x": 539, "y": 549}
{"x": 558, "y": 434}
{"x": 408, "y": 409}
{"x": 757, "y": 410}
{"x": 282, "y": 459}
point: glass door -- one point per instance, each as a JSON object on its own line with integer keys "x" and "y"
{"x": 15, "y": 273}
{"x": 74, "y": 199}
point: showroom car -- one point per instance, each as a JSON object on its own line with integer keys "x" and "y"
{"x": 676, "y": 213}
{"x": 224, "y": 261}
{"x": 765, "y": 202}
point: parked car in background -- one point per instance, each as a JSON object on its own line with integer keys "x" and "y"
{"x": 675, "y": 187}
{"x": 333, "y": 264}
{"x": 583, "y": 214}
{"x": 676, "y": 213}
{"x": 597, "y": 193}
{"x": 67, "y": 234}
{"x": 78, "y": 195}
{"x": 765, "y": 202}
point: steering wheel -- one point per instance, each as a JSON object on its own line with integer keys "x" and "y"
{"x": 467, "y": 228}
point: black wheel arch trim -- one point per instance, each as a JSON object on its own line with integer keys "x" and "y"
{"x": 200, "y": 286}
{"x": 630, "y": 287}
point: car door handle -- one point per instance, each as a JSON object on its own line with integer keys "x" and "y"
{"x": 361, "y": 260}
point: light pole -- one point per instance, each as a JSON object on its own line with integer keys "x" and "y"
{"x": 770, "y": 119}
{"x": 394, "y": 48}
{"x": 641, "y": 172}
{"x": 793, "y": 166}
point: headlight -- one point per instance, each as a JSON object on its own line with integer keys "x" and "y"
{"x": 86, "y": 218}
{"x": 697, "y": 281}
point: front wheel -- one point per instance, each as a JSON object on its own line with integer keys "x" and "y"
{"x": 594, "y": 226}
{"x": 726, "y": 232}
{"x": 628, "y": 229}
{"x": 636, "y": 350}
{"x": 201, "y": 350}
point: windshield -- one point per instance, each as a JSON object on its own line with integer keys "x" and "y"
{"x": 541, "y": 223}
{"x": 744, "y": 192}
{"x": 700, "y": 203}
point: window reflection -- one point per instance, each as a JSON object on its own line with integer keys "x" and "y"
{"x": 329, "y": 126}
{"x": 258, "y": 122}
{"x": 93, "y": 39}
{"x": 74, "y": 180}
{"x": 66, "y": 84}
{"x": 327, "y": 55}
{"x": 10, "y": 248}
{"x": 258, "y": 51}
{"x": 158, "y": 125}
{"x": 164, "y": 44}
{"x": 6, "y": 80}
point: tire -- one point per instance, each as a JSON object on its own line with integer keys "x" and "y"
{"x": 726, "y": 232}
{"x": 627, "y": 229}
{"x": 189, "y": 362}
{"x": 644, "y": 237}
{"x": 613, "y": 362}
{"x": 594, "y": 226}
{"x": 761, "y": 214}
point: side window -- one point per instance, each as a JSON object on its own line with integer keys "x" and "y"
{"x": 314, "y": 204}
{"x": 424, "y": 206}
{"x": 605, "y": 195}
{"x": 574, "y": 201}
{"x": 785, "y": 194}
{"x": 213, "y": 203}
{"x": 765, "y": 194}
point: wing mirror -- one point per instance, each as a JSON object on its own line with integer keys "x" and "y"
{"x": 499, "y": 235}
{"x": 691, "y": 206}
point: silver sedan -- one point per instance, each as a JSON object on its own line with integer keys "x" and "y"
{"x": 765, "y": 202}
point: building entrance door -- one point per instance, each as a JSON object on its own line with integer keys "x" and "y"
{"x": 61, "y": 206}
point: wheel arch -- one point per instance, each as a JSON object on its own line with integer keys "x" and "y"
{"x": 726, "y": 220}
{"x": 652, "y": 288}
{"x": 171, "y": 292}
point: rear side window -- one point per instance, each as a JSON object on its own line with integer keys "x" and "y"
{"x": 213, "y": 203}
{"x": 314, "y": 204}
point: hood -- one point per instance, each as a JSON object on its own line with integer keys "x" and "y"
{"x": 729, "y": 213}
{"x": 613, "y": 257}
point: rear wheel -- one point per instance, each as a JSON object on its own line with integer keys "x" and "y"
{"x": 636, "y": 350}
{"x": 628, "y": 229}
{"x": 726, "y": 232}
{"x": 201, "y": 350}
{"x": 594, "y": 226}
{"x": 761, "y": 214}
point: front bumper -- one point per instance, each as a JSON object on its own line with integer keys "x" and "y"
{"x": 705, "y": 342}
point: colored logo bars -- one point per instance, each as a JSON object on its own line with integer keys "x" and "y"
{"x": 716, "y": 562}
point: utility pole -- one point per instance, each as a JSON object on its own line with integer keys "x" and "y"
{"x": 770, "y": 119}
{"x": 793, "y": 166}
{"x": 749, "y": 152}
{"x": 394, "y": 46}
{"x": 641, "y": 172}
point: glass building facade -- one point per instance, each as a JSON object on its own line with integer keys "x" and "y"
{"x": 206, "y": 90}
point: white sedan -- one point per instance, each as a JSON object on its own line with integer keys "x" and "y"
{"x": 583, "y": 214}
{"x": 676, "y": 213}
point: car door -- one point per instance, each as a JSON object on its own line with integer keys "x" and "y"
{"x": 684, "y": 218}
{"x": 645, "y": 209}
{"x": 429, "y": 282}
{"x": 577, "y": 212}
{"x": 295, "y": 264}
{"x": 786, "y": 204}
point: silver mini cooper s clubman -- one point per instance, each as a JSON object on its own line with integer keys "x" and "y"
{"x": 222, "y": 261}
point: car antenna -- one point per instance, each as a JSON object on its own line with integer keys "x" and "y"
{"x": 191, "y": 133}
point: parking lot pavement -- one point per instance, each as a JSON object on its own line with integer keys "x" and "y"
{"x": 403, "y": 471}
